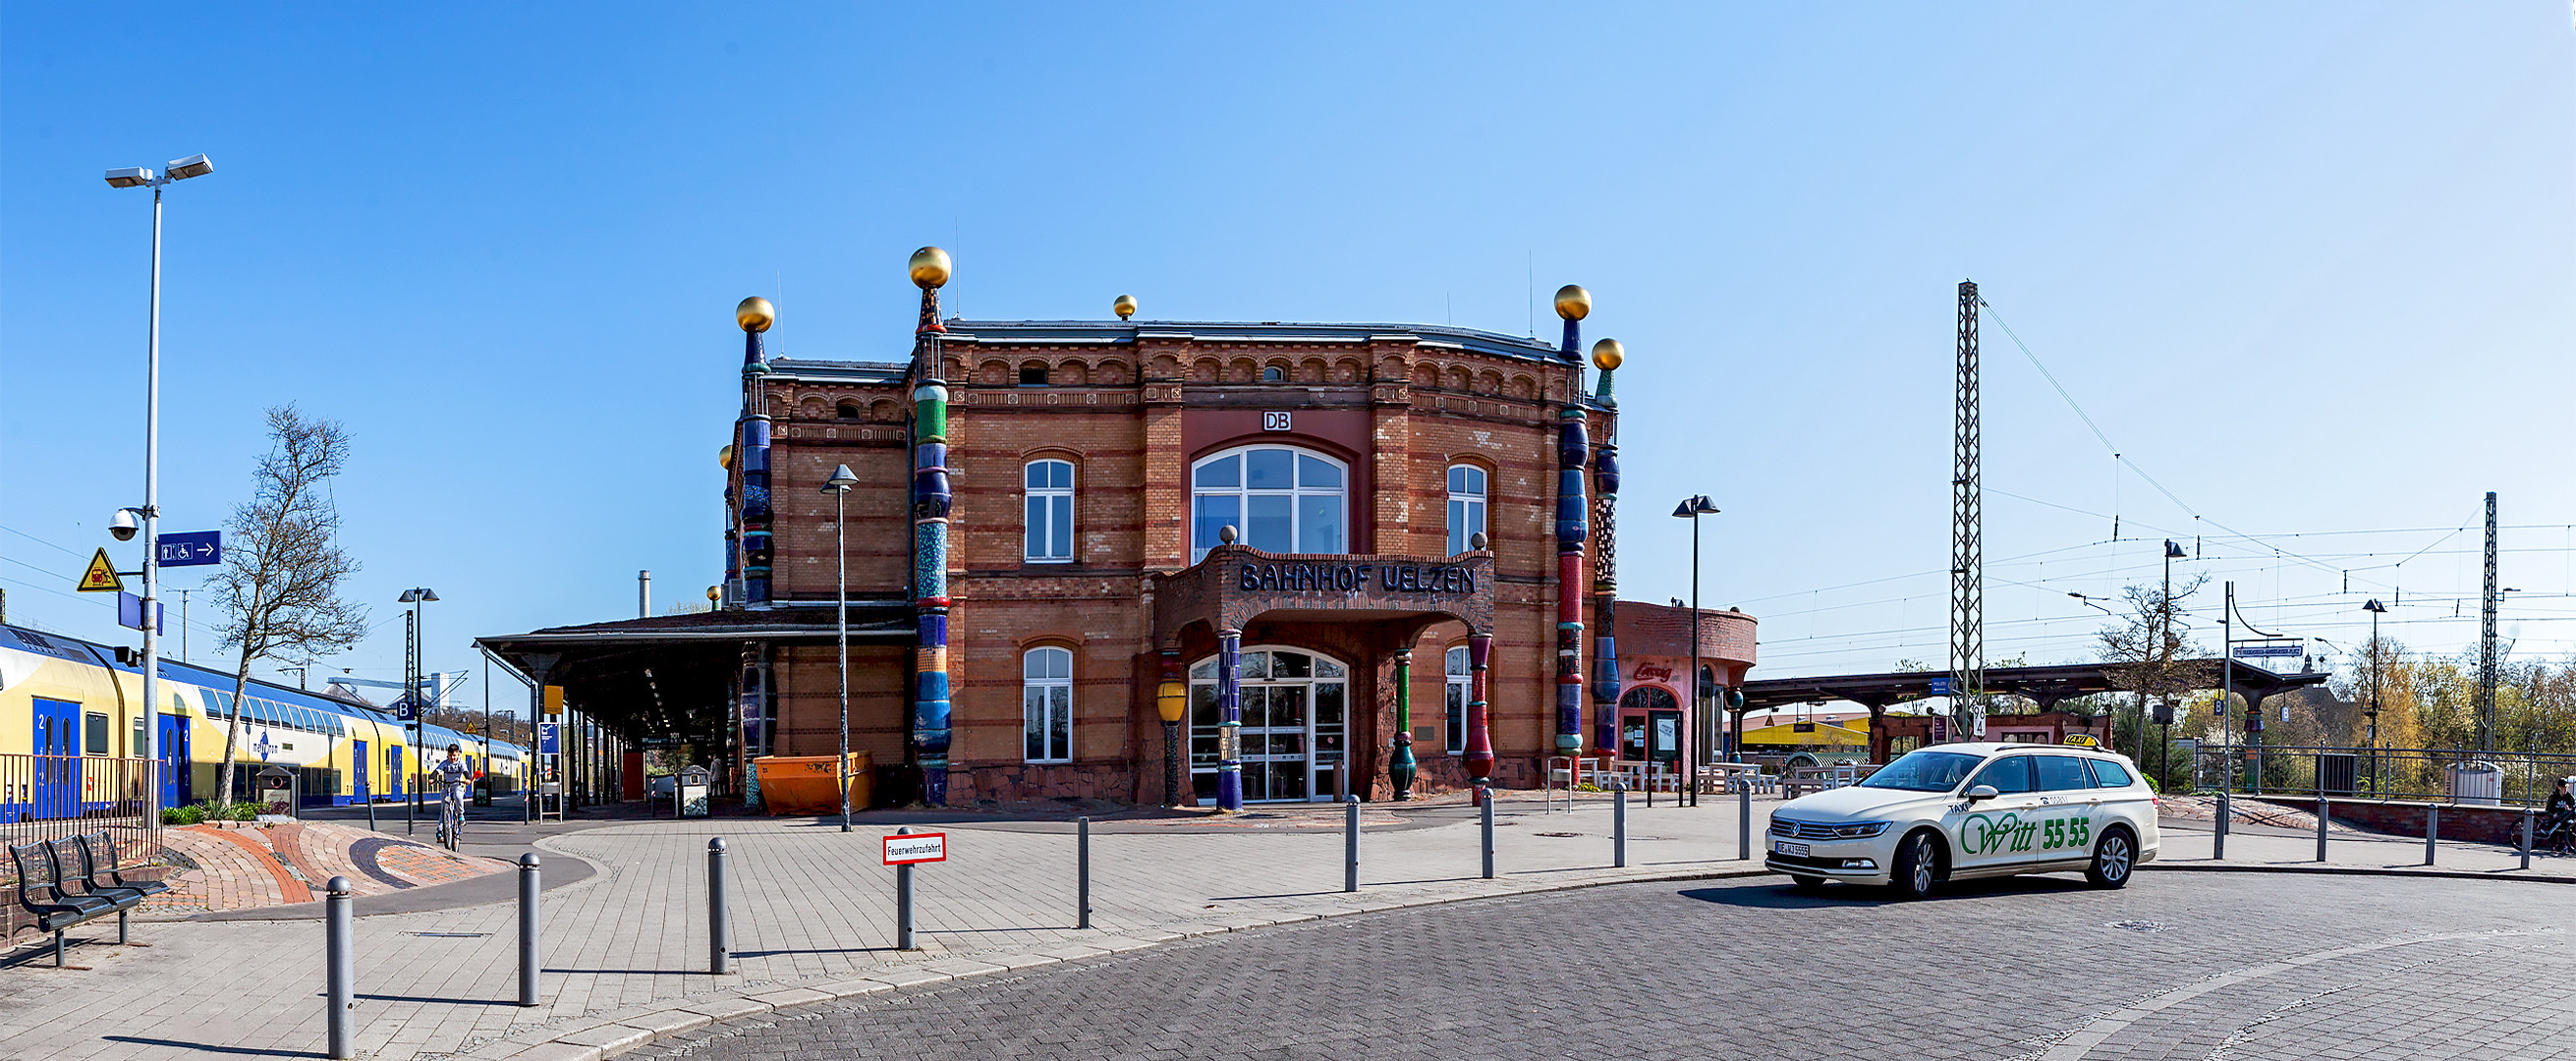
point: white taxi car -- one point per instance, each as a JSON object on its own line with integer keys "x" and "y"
{"x": 1960, "y": 811}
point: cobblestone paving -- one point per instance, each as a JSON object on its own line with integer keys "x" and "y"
{"x": 2192, "y": 966}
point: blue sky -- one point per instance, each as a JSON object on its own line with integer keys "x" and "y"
{"x": 2311, "y": 268}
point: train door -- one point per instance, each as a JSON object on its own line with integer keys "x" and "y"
{"x": 177, "y": 785}
{"x": 393, "y": 770}
{"x": 57, "y": 787}
{"x": 358, "y": 756}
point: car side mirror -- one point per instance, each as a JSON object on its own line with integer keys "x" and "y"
{"x": 1981, "y": 793}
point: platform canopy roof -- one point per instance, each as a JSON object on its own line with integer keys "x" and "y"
{"x": 2045, "y": 685}
{"x": 673, "y": 673}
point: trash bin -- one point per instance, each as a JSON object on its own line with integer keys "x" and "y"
{"x": 2477, "y": 783}
{"x": 274, "y": 788}
{"x": 692, "y": 792}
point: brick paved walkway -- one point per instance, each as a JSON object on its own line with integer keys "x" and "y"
{"x": 627, "y": 947}
{"x": 2303, "y": 969}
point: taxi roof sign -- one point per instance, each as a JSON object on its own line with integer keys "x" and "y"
{"x": 2083, "y": 740}
{"x": 100, "y": 577}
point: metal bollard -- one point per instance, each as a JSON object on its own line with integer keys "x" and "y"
{"x": 1619, "y": 827}
{"x": 903, "y": 900}
{"x": 2526, "y": 837}
{"x": 1486, "y": 796}
{"x": 1082, "y": 871}
{"x": 2432, "y": 831}
{"x": 719, "y": 948}
{"x": 2321, "y": 826}
{"x": 1743, "y": 821}
{"x": 528, "y": 929}
{"x": 341, "y": 968}
{"x": 2218, "y": 834}
{"x": 1350, "y": 843}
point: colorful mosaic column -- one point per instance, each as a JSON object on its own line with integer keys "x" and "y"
{"x": 1573, "y": 525}
{"x": 1229, "y": 730}
{"x": 755, "y": 315}
{"x": 1606, "y": 356}
{"x": 1480, "y": 723}
{"x": 930, "y": 500}
{"x": 1400, "y": 766}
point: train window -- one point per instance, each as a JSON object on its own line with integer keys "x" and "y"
{"x": 95, "y": 733}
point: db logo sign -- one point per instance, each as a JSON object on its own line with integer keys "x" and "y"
{"x": 1275, "y": 422}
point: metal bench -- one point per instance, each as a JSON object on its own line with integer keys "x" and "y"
{"x": 100, "y": 876}
{"x": 44, "y": 892}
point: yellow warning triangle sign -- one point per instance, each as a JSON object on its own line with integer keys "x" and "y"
{"x": 101, "y": 576}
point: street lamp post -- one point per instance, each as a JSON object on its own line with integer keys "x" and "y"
{"x": 839, "y": 487}
{"x": 143, "y": 177}
{"x": 2164, "y": 641}
{"x": 2376, "y": 610}
{"x": 1692, "y": 508}
{"x": 412, "y": 681}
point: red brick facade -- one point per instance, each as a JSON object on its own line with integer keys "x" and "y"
{"x": 1131, "y": 407}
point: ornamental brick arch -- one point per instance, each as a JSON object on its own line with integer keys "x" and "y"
{"x": 1311, "y": 370}
{"x": 1348, "y": 370}
{"x": 1110, "y": 372}
{"x": 885, "y": 411}
{"x": 994, "y": 372}
{"x": 1524, "y": 388}
{"x": 1206, "y": 370}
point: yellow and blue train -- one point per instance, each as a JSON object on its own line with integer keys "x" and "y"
{"x": 69, "y": 710}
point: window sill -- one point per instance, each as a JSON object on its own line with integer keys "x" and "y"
{"x": 1046, "y": 762}
{"x": 1054, "y": 560}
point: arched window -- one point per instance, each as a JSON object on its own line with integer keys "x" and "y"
{"x": 1466, "y": 506}
{"x": 1282, "y": 500}
{"x": 1048, "y": 533}
{"x": 1274, "y": 374}
{"x": 1459, "y": 681}
{"x": 1046, "y": 704}
{"x": 849, "y": 411}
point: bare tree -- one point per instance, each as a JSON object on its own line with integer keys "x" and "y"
{"x": 280, "y": 586}
{"x": 2147, "y": 651}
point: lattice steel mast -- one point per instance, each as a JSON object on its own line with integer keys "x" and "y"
{"x": 1967, "y": 517}
{"x": 2487, "y": 639}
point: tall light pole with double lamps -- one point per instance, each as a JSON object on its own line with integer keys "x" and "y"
{"x": 143, "y": 177}
{"x": 412, "y": 681}
{"x": 2164, "y": 639}
{"x": 839, "y": 487}
{"x": 1692, "y": 508}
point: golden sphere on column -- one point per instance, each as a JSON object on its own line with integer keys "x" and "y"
{"x": 1125, "y": 306}
{"x": 1573, "y": 302}
{"x": 930, "y": 268}
{"x": 755, "y": 314}
{"x": 1607, "y": 354}
{"x": 724, "y": 458}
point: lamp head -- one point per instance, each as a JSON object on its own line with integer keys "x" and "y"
{"x": 191, "y": 166}
{"x": 408, "y": 596}
{"x": 841, "y": 481}
{"x": 930, "y": 268}
{"x": 429, "y": 594}
{"x": 2172, "y": 551}
{"x": 1170, "y": 700}
{"x": 2374, "y": 606}
{"x": 129, "y": 177}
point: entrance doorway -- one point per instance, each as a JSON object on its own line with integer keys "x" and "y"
{"x": 1296, "y": 711}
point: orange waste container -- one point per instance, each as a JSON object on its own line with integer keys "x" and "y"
{"x": 803, "y": 784}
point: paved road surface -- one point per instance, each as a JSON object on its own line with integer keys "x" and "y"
{"x": 2197, "y": 966}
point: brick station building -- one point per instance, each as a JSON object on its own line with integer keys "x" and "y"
{"x": 1323, "y": 546}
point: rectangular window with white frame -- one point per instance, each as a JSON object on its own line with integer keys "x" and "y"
{"x": 1046, "y": 705}
{"x": 1049, "y": 527}
{"x": 1458, "y": 683}
{"x": 1466, "y": 506}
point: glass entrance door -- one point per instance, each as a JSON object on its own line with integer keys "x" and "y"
{"x": 1295, "y": 726}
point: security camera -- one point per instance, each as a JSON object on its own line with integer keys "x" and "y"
{"x": 123, "y": 525}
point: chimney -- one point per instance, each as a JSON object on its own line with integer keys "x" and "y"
{"x": 643, "y": 594}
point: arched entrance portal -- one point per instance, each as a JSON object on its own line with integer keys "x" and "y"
{"x": 1296, "y": 720}
{"x": 1650, "y": 724}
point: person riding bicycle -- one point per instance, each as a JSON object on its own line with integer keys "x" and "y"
{"x": 456, "y": 780}
{"x": 2558, "y": 819}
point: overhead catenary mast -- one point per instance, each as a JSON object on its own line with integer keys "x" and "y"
{"x": 1967, "y": 551}
{"x": 2487, "y": 639}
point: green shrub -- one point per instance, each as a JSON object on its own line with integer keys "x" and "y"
{"x": 183, "y": 815}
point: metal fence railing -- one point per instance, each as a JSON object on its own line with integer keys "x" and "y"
{"x": 52, "y": 797}
{"x": 2454, "y": 775}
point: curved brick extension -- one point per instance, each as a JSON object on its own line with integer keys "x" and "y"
{"x": 238, "y": 867}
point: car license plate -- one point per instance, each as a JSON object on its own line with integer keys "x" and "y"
{"x": 1786, "y": 848}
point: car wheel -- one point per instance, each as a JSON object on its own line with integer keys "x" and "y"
{"x": 2113, "y": 860}
{"x": 1806, "y": 884}
{"x": 1918, "y": 867}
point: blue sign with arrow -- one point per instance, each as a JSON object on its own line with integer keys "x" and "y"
{"x": 549, "y": 738}
{"x": 192, "y": 548}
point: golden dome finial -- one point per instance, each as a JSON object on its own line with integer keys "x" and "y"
{"x": 755, "y": 314}
{"x": 1125, "y": 306}
{"x": 724, "y": 458}
{"x": 1573, "y": 302}
{"x": 930, "y": 268}
{"x": 1607, "y": 354}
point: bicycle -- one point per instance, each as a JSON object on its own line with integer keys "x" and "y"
{"x": 451, "y": 820}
